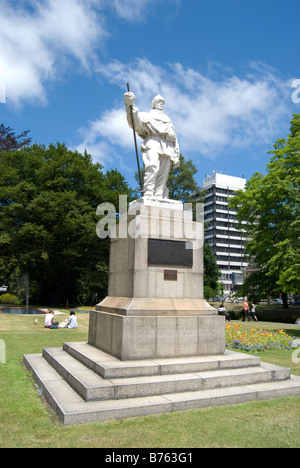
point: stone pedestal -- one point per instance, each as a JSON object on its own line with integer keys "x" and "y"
{"x": 155, "y": 306}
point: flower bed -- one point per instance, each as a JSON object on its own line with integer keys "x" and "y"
{"x": 256, "y": 339}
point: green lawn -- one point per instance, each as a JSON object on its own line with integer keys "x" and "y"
{"x": 26, "y": 421}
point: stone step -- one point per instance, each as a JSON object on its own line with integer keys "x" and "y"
{"x": 92, "y": 387}
{"x": 108, "y": 366}
{"x": 84, "y": 381}
{"x": 72, "y": 409}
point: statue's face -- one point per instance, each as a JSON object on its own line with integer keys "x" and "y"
{"x": 160, "y": 105}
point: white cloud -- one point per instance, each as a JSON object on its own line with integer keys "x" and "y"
{"x": 131, "y": 10}
{"x": 110, "y": 125}
{"x": 208, "y": 114}
{"x": 38, "y": 37}
{"x": 137, "y": 10}
{"x": 101, "y": 151}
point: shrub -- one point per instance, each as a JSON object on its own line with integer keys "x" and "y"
{"x": 9, "y": 299}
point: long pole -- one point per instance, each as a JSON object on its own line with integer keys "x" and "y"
{"x": 135, "y": 144}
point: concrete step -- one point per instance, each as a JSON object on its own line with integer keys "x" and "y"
{"x": 72, "y": 409}
{"x": 84, "y": 381}
{"x": 92, "y": 387}
{"x": 108, "y": 366}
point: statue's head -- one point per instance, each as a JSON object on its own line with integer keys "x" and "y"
{"x": 158, "y": 102}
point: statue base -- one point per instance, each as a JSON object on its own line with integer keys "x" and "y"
{"x": 149, "y": 337}
{"x": 155, "y": 306}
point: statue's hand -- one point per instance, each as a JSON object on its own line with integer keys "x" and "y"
{"x": 176, "y": 161}
{"x": 129, "y": 99}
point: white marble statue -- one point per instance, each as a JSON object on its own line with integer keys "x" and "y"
{"x": 160, "y": 148}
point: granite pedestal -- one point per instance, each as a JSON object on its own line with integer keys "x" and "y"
{"x": 155, "y": 306}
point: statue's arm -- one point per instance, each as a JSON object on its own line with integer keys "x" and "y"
{"x": 131, "y": 109}
{"x": 132, "y": 112}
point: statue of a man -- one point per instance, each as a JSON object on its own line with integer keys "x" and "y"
{"x": 160, "y": 148}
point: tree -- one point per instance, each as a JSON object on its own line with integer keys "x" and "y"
{"x": 182, "y": 184}
{"x": 9, "y": 141}
{"x": 211, "y": 272}
{"x": 270, "y": 206}
{"x": 48, "y": 201}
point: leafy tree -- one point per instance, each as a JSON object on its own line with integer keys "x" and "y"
{"x": 182, "y": 184}
{"x": 211, "y": 272}
{"x": 48, "y": 201}
{"x": 9, "y": 141}
{"x": 270, "y": 206}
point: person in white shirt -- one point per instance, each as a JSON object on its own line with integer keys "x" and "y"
{"x": 49, "y": 319}
{"x": 252, "y": 311}
{"x": 72, "y": 323}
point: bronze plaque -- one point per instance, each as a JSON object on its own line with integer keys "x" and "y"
{"x": 170, "y": 275}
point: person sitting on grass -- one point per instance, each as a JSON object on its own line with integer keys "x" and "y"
{"x": 72, "y": 322}
{"x": 49, "y": 320}
{"x": 222, "y": 311}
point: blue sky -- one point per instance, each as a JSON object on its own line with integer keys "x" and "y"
{"x": 225, "y": 67}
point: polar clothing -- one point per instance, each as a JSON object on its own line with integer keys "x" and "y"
{"x": 160, "y": 147}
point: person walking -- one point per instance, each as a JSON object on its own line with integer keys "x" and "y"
{"x": 253, "y": 311}
{"x": 245, "y": 311}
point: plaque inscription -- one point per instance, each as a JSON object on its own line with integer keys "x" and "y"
{"x": 170, "y": 275}
{"x": 169, "y": 253}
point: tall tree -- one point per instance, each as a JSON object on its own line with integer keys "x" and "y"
{"x": 270, "y": 206}
{"x": 182, "y": 183}
{"x": 48, "y": 201}
{"x": 211, "y": 272}
{"x": 9, "y": 141}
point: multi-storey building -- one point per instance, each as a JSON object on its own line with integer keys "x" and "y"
{"x": 227, "y": 242}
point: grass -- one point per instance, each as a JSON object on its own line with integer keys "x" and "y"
{"x": 27, "y": 421}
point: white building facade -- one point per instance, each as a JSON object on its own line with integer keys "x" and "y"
{"x": 227, "y": 242}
